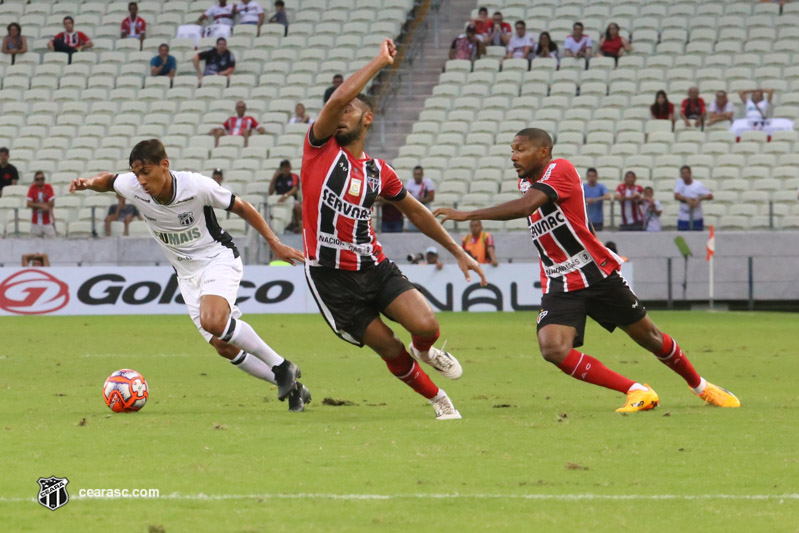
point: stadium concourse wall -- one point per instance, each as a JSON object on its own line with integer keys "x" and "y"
{"x": 775, "y": 259}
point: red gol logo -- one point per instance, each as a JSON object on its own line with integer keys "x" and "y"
{"x": 33, "y": 292}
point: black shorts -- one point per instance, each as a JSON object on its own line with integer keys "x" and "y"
{"x": 610, "y": 302}
{"x": 350, "y": 301}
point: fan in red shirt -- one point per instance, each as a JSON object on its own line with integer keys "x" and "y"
{"x": 70, "y": 41}
{"x": 238, "y": 125}
{"x": 133, "y": 27}
{"x": 351, "y": 279}
{"x": 581, "y": 277}
{"x": 630, "y": 195}
{"x": 40, "y": 200}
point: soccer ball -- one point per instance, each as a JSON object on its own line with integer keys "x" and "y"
{"x": 125, "y": 391}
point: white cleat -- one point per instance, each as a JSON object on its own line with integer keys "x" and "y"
{"x": 443, "y": 362}
{"x": 445, "y": 410}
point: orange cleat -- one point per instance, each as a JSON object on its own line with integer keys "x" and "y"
{"x": 715, "y": 395}
{"x": 640, "y": 400}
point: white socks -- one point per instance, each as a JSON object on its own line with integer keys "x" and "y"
{"x": 253, "y": 366}
{"x": 637, "y": 386}
{"x": 699, "y": 389}
{"x": 244, "y": 337}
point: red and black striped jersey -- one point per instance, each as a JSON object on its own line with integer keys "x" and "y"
{"x": 338, "y": 192}
{"x": 571, "y": 257}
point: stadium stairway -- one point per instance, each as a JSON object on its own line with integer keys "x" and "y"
{"x": 452, "y": 19}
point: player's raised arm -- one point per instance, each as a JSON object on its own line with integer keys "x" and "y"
{"x": 250, "y": 215}
{"x": 102, "y": 182}
{"x": 328, "y": 120}
{"x": 520, "y": 208}
{"x": 421, "y": 217}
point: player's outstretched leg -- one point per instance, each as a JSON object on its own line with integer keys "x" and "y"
{"x": 412, "y": 310}
{"x": 668, "y": 352}
{"x": 215, "y": 319}
{"x": 382, "y": 340}
{"x": 556, "y": 343}
{"x": 253, "y": 366}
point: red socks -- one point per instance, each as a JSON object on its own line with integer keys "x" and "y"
{"x": 424, "y": 343}
{"x": 672, "y": 356}
{"x": 586, "y": 368}
{"x": 408, "y": 371}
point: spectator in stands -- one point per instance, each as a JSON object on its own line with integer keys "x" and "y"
{"x": 41, "y": 199}
{"x": 220, "y": 14}
{"x": 662, "y": 109}
{"x": 520, "y": 45}
{"x": 287, "y": 185}
{"x": 218, "y": 61}
{"x": 431, "y": 258}
{"x": 8, "y": 172}
{"x": 121, "y": 212}
{"x": 628, "y": 194}
{"x": 250, "y": 12}
{"x": 240, "y": 124}
{"x": 546, "y": 47}
{"x": 482, "y": 24}
{"x": 338, "y": 79}
{"x": 467, "y": 46}
{"x": 479, "y": 244}
{"x": 612, "y": 44}
{"x": 70, "y": 41}
{"x": 300, "y": 116}
{"x": 421, "y": 188}
{"x": 693, "y": 108}
{"x": 15, "y": 43}
{"x": 652, "y": 210}
{"x": 690, "y": 193}
{"x": 595, "y": 195}
{"x": 500, "y": 32}
{"x": 217, "y": 176}
{"x": 578, "y": 44}
{"x": 163, "y": 64}
{"x": 720, "y": 109}
{"x": 35, "y": 260}
{"x": 280, "y": 16}
{"x": 391, "y": 218}
{"x": 757, "y": 106}
{"x": 133, "y": 27}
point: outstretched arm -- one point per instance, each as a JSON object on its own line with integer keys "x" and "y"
{"x": 252, "y": 217}
{"x": 520, "y": 208}
{"x": 102, "y": 182}
{"x": 326, "y": 123}
{"x": 421, "y": 217}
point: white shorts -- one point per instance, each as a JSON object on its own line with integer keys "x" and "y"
{"x": 46, "y": 231}
{"x": 220, "y": 278}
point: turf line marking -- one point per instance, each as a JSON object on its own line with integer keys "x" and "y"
{"x": 444, "y": 496}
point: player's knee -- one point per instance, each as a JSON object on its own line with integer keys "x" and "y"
{"x": 554, "y": 351}
{"x": 427, "y": 326}
{"x": 213, "y": 323}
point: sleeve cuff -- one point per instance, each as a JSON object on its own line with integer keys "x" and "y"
{"x": 399, "y": 196}
{"x": 551, "y": 193}
{"x": 232, "y": 201}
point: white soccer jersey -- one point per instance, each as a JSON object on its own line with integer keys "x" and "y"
{"x": 186, "y": 227}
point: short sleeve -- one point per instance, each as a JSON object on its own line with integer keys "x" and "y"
{"x": 489, "y": 240}
{"x": 559, "y": 181}
{"x": 314, "y": 147}
{"x": 210, "y": 12}
{"x": 620, "y": 189}
{"x": 50, "y": 193}
{"x": 171, "y": 63}
{"x": 431, "y": 187}
{"x": 31, "y": 193}
{"x": 154, "y": 62}
{"x": 679, "y": 187}
{"x": 232, "y": 60}
{"x": 215, "y": 195}
{"x": 391, "y": 187}
{"x": 123, "y": 184}
{"x": 205, "y": 55}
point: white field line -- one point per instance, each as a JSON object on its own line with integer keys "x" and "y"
{"x": 445, "y": 496}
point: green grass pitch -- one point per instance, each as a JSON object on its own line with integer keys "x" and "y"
{"x": 536, "y": 450}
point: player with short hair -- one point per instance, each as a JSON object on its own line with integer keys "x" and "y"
{"x": 580, "y": 277}
{"x": 178, "y": 208}
{"x": 350, "y": 278}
